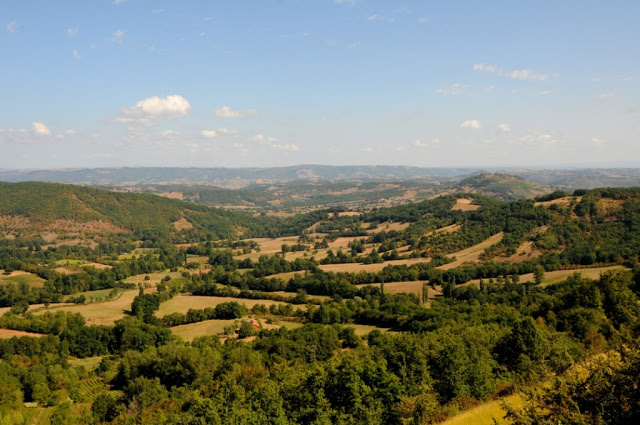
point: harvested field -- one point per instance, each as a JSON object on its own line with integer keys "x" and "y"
{"x": 343, "y": 242}
{"x": 464, "y": 204}
{"x": 525, "y": 252}
{"x": 376, "y": 267}
{"x": 489, "y": 413}
{"x": 216, "y": 327}
{"x": 471, "y": 254}
{"x": 8, "y": 333}
{"x": 566, "y": 201}
{"x": 410, "y": 287}
{"x": 389, "y": 226}
{"x": 154, "y": 278}
{"x": 560, "y": 275}
{"x": 16, "y": 277}
{"x": 99, "y": 313}
{"x": 182, "y": 303}
{"x": 362, "y": 330}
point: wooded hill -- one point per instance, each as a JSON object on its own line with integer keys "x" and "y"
{"x": 45, "y": 203}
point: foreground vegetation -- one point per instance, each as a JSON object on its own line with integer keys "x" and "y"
{"x": 470, "y": 305}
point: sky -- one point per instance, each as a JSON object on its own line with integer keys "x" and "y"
{"x": 265, "y": 83}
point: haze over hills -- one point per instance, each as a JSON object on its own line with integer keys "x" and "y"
{"x": 234, "y": 178}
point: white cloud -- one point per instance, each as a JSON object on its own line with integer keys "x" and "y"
{"x": 631, "y": 78}
{"x": 209, "y": 133}
{"x": 169, "y": 133}
{"x": 262, "y": 139}
{"x": 380, "y": 18}
{"x": 527, "y": 74}
{"x": 40, "y": 129}
{"x": 11, "y": 27}
{"x": 349, "y": 2}
{"x": 155, "y": 108}
{"x": 118, "y": 36}
{"x": 598, "y": 142}
{"x": 423, "y": 20}
{"x": 607, "y": 95}
{"x": 518, "y": 74}
{"x": 454, "y": 89}
{"x": 544, "y": 92}
{"x": 71, "y": 32}
{"x": 221, "y": 132}
{"x": 490, "y": 89}
{"x": 271, "y": 142}
{"x": 76, "y": 55}
{"x": 70, "y": 132}
{"x": 419, "y": 144}
{"x": 286, "y": 147}
{"x": 595, "y": 80}
{"x": 471, "y": 124}
{"x": 119, "y": 1}
{"x": 505, "y": 127}
{"x": 227, "y": 112}
{"x": 537, "y": 139}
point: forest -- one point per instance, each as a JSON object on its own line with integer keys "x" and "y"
{"x": 411, "y": 314}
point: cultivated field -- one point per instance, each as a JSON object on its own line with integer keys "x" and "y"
{"x": 99, "y": 313}
{"x": 376, "y": 267}
{"x": 17, "y": 277}
{"x": 8, "y": 333}
{"x": 464, "y": 204}
{"x": 182, "y": 303}
{"x": 216, "y": 327}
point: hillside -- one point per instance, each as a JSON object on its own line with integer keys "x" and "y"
{"x": 502, "y": 186}
{"x": 52, "y": 207}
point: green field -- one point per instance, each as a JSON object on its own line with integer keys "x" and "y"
{"x": 100, "y": 313}
{"x": 22, "y": 277}
{"x": 216, "y": 327}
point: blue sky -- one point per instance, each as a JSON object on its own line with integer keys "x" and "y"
{"x": 270, "y": 83}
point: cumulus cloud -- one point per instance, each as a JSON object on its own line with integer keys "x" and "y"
{"x": 518, "y": 74}
{"x": 272, "y": 143}
{"x": 262, "y": 139}
{"x": 40, "y": 129}
{"x": 538, "y": 139}
{"x": 227, "y": 112}
{"x": 419, "y": 144}
{"x": 71, "y": 32}
{"x": 155, "y": 108}
{"x": 505, "y": 127}
{"x": 423, "y": 20}
{"x": 544, "y": 92}
{"x": 119, "y": 1}
{"x": 76, "y": 55}
{"x": 471, "y": 124}
{"x": 221, "y": 132}
{"x": 70, "y": 132}
{"x": 349, "y": 2}
{"x": 608, "y": 95}
{"x": 454, "y": 89}
{"x": 598, "y": 142}
{"x": 118, "y": 36}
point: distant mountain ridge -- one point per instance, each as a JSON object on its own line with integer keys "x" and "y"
{"x": 227, "y": 177}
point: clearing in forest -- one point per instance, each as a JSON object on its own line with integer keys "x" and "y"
{"x": 488, "y": 413}
{"x": 472, "y": 254}
{"x": 464, "y": 204}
